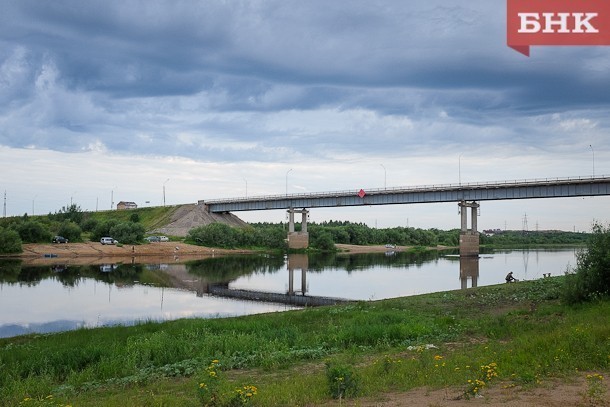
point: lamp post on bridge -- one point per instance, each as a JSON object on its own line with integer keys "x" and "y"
{"x": 164, "y": 191}
{"x": 384, "y": 176}
{"x": 287, "y": 172}
{"x": 593, "y": 152}
{"x": 460, "y": 169}
{"x": 246, "y": 186}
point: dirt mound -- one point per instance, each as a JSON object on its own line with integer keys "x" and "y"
{"x": 191, "y": 216}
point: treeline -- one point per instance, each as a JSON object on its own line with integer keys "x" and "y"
{"x": 73, "y": 224}
{"x": 70, "y": 222}
{"x": 321, "y": 236}
{"x": 534, "y": 238}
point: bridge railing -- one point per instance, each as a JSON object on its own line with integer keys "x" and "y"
{"x": 416, "y": 188}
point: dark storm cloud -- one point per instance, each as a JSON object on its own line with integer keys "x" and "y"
{"x": 211, "y": 80}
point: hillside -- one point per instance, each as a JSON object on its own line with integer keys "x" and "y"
{"x": 187, "y": 217}
{"x": 169, "y": 220}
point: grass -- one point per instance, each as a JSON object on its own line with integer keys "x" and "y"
{"x": 150, "y": 217}
{"x": 519, "y": 332}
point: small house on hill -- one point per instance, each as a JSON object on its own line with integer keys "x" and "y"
{"x": 126, "y": 205}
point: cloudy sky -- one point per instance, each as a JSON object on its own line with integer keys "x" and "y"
{"x": 103, "y": 101}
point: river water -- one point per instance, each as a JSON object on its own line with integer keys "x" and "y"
{"x": 58, "y": 297}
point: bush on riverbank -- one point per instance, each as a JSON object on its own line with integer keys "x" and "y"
{"x": 435, "y": 340}
{"x": 591, "y": 278}
{"x": 10, "y": 242}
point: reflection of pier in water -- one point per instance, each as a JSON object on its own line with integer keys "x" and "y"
{"x": 469, "y": 269}
{"x": 181, "y": 278}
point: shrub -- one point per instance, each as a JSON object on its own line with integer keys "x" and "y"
{"x": 70, "y": 231}
{"x": 215, "y": 235}
{"x": 591, "y": 278}
{"x": 103, "y": 229}
{"x": 127, "y": 232}
{"x": 323, "y": 240}
{"x": 31, "y": 231}
{"x": 89, "y": 224}
{"x": 10, "y": 242}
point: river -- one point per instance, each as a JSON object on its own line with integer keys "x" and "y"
{"x": 58, "y": 297}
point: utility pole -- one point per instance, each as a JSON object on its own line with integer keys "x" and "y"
{"x": 4, "y": 212}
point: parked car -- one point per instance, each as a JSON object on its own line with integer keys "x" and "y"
{"x": 163, "y": 239}
{"x": 108, "y": 240}
{"x": 59, "y": 239}
{"x": 390, "y": 246}
{"x": 151, "y": 239}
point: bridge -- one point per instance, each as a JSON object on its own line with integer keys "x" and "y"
{"x": 467, "y": 195}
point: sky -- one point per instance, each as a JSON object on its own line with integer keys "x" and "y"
{"x": 172, "y": 102}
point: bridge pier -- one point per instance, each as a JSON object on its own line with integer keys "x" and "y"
{"x": 298, "y": 240}
{"x": 469, "y": 238}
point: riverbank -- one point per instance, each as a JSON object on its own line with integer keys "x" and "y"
{"x": 97, "y": 253}
{"x": 511, "y": 344}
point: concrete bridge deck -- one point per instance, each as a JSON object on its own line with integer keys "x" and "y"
{"x": 478, "y": 191}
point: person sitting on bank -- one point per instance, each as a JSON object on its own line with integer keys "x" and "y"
{"x": 510, "y": 278}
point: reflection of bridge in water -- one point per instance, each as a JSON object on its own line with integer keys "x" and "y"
{"x": 181, "y": 278}
{"x": 297, "y": 289}
{"x": 292, "y": 296}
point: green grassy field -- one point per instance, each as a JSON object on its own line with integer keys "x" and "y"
{"x": 514, "y": 334}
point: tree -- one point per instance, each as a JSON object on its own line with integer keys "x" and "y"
{"x": 72, "y": 212}
{"x": 127, "y": 232}
{"x": 591, "y": 279}
{"x": 103, "y": 229}
{"x": 10, "y": 242}
{"x": 323, "y": 241}
{"x": 70, "y": 231}
{"x": 31, "y": 231}
{"x": 214, "y": 235}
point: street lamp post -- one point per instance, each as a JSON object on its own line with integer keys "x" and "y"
{"x": 287, "y": 172}
{"x": 460, "y": 169}
{"x": 164, "y": 191}
{"x": 33, "y": 199}
{"x": 593, "y": 152}
{"x": 246, "y": 186}
{"x": 384, "y": 176}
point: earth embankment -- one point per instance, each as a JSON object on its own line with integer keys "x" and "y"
{"x": 190, "y": 216}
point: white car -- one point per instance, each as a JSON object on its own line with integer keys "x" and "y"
{"x": 163, "y": 239}
{"x": 108, "y": 240}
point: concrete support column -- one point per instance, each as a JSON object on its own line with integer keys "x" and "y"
{"x": 290, "y": 220}
{"x": 469, "y": 238}
{"x": 304, "y": 214}
{"x": 298, "y": 240}
{"x": 473, "y": 221}
{"x": 464, "y": 215}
